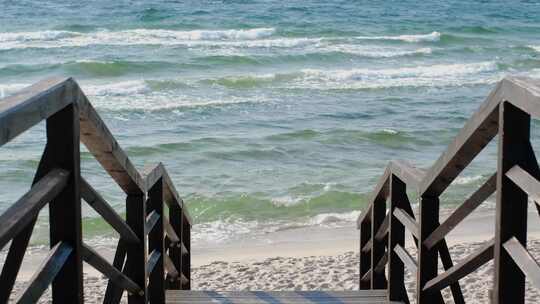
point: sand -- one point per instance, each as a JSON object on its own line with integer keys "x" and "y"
{"x": 312, "y": 258}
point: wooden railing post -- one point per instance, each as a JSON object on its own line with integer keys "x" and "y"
{"x": 511, "y": 217}
{"x": 378, "y": 280}
{"x": 175, "y": 252}
{"x": 186, "y": 259}
{"x": 65, "y": 210}
{"x": 365, "y": 257}
{"x": 427, "y": 258}
{"x": 137, "y": 253}
{"x": 396, "y": 236}
{"x": 156, "y": 286}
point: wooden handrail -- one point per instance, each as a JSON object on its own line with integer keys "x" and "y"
{"x": 46, "y": 273}
{"x": 506, "y": 112}
{"x": 71, "y": 119}
{"x": 25, "y": 209}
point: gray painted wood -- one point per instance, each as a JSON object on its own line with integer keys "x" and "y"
{"x": 525, "y": 261}
{"x": 406, "y": 258}
{"x": 407, "y": 221}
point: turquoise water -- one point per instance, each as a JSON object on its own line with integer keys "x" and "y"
{"x": 268, "y": 114}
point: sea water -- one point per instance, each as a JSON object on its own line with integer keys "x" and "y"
{"x": 269, "y": 115}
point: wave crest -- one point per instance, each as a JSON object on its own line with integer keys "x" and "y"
{"x": 433, "y": 36}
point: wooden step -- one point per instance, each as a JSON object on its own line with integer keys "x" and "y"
{"x": 276, "y": 297}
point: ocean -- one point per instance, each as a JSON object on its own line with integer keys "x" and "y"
{"x": 269, "y": 115}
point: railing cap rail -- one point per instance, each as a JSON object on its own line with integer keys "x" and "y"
{"x": 35, "y": 103}
{"x": 522, "y": 92}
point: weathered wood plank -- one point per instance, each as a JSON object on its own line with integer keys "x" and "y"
{"x": 99, "y": 140}
{"x": 396, "y": 273}
{"x": 427, "y": 258}
{"x": 13, "y": 261}
{"x": 473, "y": 137}
{"x": 186, "y": 259}
{"x": 153, "y": 260}
{"x": 265, "y": 297}
{"x": 407, "y": 221}
{"x": 33, "y": 104}
{"x": 525, "y": 261}
{"x": 470, "y": 204}
{"x": 408, "y": 173}
{"x": 479, "y": 130}
{"x": 19, "y": 244}
{"x": 511, "y": 211}
{"x": 117, "y": 277}
{"x": 156, "y": 244}
{"x": 224, "y": 293}
{"x": 381, "y": 191}
{"x": 525, "y": 181}
{"x": 366, "y": 278}
{"x": 378, "y": 280}
{"x": 365, "y": 257}
{"x": 468, "y": 265}
{"x": 406, "y": 258}
{"x": 113, "y": 293}
{"x": 20, "y": 214}
{"x": 367, "y": 246}
{"x": 176, "y": 251}
{"x": 446, "y": 259}
{"x": 151, "y": 220}
{"x": 381, "y": 264}
{"x": 523, "y": 93}
{"x": 46, "y": 273}
{"x": 136, "y": 253}
{"x": 383, "y": 230}
{"x": 172, "y": 272}
{"x": 65, "y": 209}
{"x": 152, "y": 174}
{"x": 94, "y": 199}
{"x": 169, "y": 230}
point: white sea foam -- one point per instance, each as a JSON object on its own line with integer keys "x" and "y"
{"x": 433, "y": 75}
{"x": 334, "y": 218}
{"x": 57, "y": 39}
{"x": 464, "y": 180}
{"x": 389, "y": 131}
{"x": 365, "y": 78}
{"x": 286, "y": 201}
{"x": 372, "y": 51}
{"x": 535, "y": 47}
{"x": 122, "y": 88}
{"x": 433, "y": 36}
{"x": 239, "y": 38}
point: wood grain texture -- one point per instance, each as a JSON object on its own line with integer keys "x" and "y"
{"x": 265, "y": 297}
{"x": 117, "y": 277}
{"x": 47, "y": 271}
{"x": 22, "y": 212}
{"x": 468, "y": 265}
{"x": 524, "y": 260}
{"x": 511, "y": 209}
{"x": 33, "y": 104}
{"x": 470, "y": 204}
{"x": 94, "y": 199}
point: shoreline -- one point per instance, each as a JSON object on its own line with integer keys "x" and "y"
{"x": 311, "y": 258}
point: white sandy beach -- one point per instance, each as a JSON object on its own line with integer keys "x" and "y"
{"x": 311, "y": 259}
